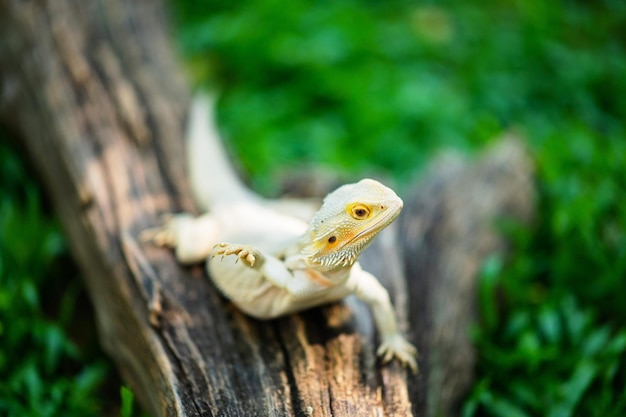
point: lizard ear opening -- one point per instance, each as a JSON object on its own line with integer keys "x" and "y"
{"x": 332, "y": 239}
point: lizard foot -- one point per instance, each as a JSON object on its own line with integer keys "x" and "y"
{"x": 166, "y": 234}
{"x": 396, "y": 346}
{"x": 246, "y": 253}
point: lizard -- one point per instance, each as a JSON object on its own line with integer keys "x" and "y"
{"x": 271, "y": 263}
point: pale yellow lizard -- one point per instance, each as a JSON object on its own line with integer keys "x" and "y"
{"x": 278, "y": 264}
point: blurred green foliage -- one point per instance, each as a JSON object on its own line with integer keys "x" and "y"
{"x": 50, "y": 364}
{"x": 41, "y": 368}
{"x": 336, "y": 83}
{"x": 361, "y": 85}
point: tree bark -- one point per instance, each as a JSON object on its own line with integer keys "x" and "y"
{"x": 94, "y": 90}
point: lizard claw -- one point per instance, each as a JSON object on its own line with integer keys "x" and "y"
{"x": 165, "y": 235}
{"x": 396, "y": 346}
{"x": 247, "y": 254}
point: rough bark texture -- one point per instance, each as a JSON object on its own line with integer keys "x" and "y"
{"x": 448, "y": 229}
{"x": 93, "y": 89}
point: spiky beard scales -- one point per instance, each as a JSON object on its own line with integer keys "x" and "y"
{"x": 340, "y": 257}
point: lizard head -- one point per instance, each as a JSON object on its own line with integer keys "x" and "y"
{"x": 350, "y": 217}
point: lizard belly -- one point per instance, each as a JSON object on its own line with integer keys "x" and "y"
{"x": 253, "y": 293}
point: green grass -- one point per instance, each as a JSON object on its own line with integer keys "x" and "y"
{"x": 50, "y": 364}
{"x": 41, "y": 368}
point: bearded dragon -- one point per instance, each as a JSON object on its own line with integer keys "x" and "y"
{"x": 271, "y": 264}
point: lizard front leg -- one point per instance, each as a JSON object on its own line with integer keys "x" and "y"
{"x": 253, "y": 280}
{"x": 393, "y": 344}
{"x": 246, "y": 253}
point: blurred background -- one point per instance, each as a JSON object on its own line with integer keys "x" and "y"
{"x": 370, "y": 87}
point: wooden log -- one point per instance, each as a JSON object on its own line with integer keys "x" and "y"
{"x": 94, "y": 90}
{"x": 448, "y": 229}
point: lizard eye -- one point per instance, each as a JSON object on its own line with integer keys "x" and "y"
{"x": 360, "y": 212}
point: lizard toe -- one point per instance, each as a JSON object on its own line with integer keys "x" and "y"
{"x": 399, "y": 348}
{"x": 250, "y": 259}
{"x": 246, "y": 254}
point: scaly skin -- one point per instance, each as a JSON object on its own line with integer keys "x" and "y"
{"x": 319, "y": 268}
{"x": 277, "y": 264}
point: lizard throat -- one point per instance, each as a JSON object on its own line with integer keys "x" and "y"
{"x": 342, "y": 257}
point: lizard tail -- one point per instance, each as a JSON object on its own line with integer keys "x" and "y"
{"x": 212, "y": 177}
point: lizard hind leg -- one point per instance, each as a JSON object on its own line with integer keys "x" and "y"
{"x": 191, "y": 237}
